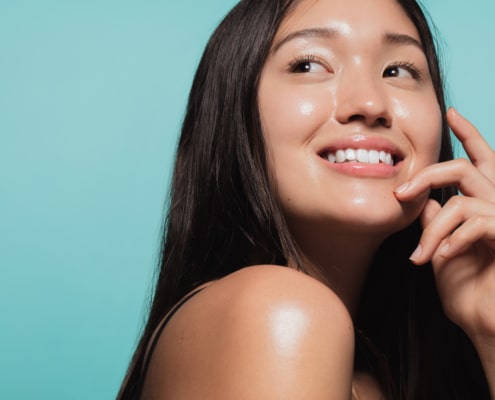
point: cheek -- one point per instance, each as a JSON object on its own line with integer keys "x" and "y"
{"x": 291, "y": 114}
{"x": 422, "y": 121}
{"x": 432, "y": 142}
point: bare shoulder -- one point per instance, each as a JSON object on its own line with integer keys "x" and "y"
{"x": 261, "y": 332}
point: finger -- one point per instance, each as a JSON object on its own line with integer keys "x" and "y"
{"x": 476, "y": 228}
{"x": 446, "y": 221}
{"x": 431, "y": 209}
{"x": 460, "y": 172}
{"x": 478, "y": 150}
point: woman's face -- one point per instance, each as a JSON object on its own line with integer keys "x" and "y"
{"x": 349, "y": 113}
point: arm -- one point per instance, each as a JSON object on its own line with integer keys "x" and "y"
{"x": 263, "y": 332}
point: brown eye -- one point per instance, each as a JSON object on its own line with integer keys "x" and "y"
{"x": 404, "y": 70}
{"x": 397, "y": 72}
{"x": 306, "y": 65}
{"x": 302, "y": 67}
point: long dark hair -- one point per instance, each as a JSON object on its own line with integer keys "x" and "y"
{"x": 224, "y": 215}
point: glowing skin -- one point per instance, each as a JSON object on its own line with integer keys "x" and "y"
{"x": 288, "y": 326}
{"x": 346, "y": 79}
{"x": 348, "y": 74}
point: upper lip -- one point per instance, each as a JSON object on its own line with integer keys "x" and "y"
{"x": 364, "y": 142}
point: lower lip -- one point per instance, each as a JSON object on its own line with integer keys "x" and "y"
{"x": 365, "y": 170}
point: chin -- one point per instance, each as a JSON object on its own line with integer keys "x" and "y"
{"x": 380, "y": 216}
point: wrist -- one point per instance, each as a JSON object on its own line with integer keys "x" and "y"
{"x": 485, "y": 347}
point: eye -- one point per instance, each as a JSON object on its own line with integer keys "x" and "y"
{"x": 402, "y": 70}
{"x": 306, "y": 64}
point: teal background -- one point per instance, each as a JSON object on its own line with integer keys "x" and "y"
{"x": 91, "y": 98}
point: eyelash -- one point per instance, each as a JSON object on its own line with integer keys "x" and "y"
{"x": 297, "y": 61}
{"x": 310, "y": 58}
{"x": 415, "y": 72}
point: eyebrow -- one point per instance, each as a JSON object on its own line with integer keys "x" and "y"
{"x": 401, "y": 38}
{"x": 388, "y": 37}
{"x": 305, "y": 34}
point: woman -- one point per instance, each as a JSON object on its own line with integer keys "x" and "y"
{"x": 314, "y": 134}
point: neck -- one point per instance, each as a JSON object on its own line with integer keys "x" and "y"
{"x": 340, "y": 259}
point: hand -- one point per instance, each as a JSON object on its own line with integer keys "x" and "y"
{"x": 459, "y": 238}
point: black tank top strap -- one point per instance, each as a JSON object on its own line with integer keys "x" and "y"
{"x": 157, "y": 334}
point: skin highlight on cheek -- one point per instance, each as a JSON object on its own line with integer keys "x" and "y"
{"x": 401, "y": 109}
{"x": 306, "y": 108}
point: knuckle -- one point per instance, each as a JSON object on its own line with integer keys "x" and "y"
{"x": 456, "y": 203}
{"x": 478, "y": 221}
{"x": 463, "y": 166}
{"x": 463, "y": 163}
{"x": 460, "y": 236}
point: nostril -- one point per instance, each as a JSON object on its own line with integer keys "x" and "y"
{"x": 382, "y": 121}
{"x": 379, "y": 121}
{"x": 356, "y": 117}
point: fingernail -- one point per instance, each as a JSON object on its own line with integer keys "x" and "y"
{"x": 402, "y": 188}
{"x": 416, "y": 253}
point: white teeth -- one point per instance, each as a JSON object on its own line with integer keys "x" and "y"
{"x": 340, "y": 156}
{"x": 360, "y": 155}
{"x": 350, "y": 155}
{"x": 389, "y": 159}
{"x": 374, "y": 157}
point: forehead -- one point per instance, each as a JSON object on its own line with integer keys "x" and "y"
{"x": 347, "y": 17}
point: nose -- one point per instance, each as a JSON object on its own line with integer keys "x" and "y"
{"x": 361, "y": 98}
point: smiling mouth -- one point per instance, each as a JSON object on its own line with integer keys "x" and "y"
{"x": 363, "y": 156}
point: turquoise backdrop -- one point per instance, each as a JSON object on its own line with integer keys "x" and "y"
{"x": 91, "y": 99}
